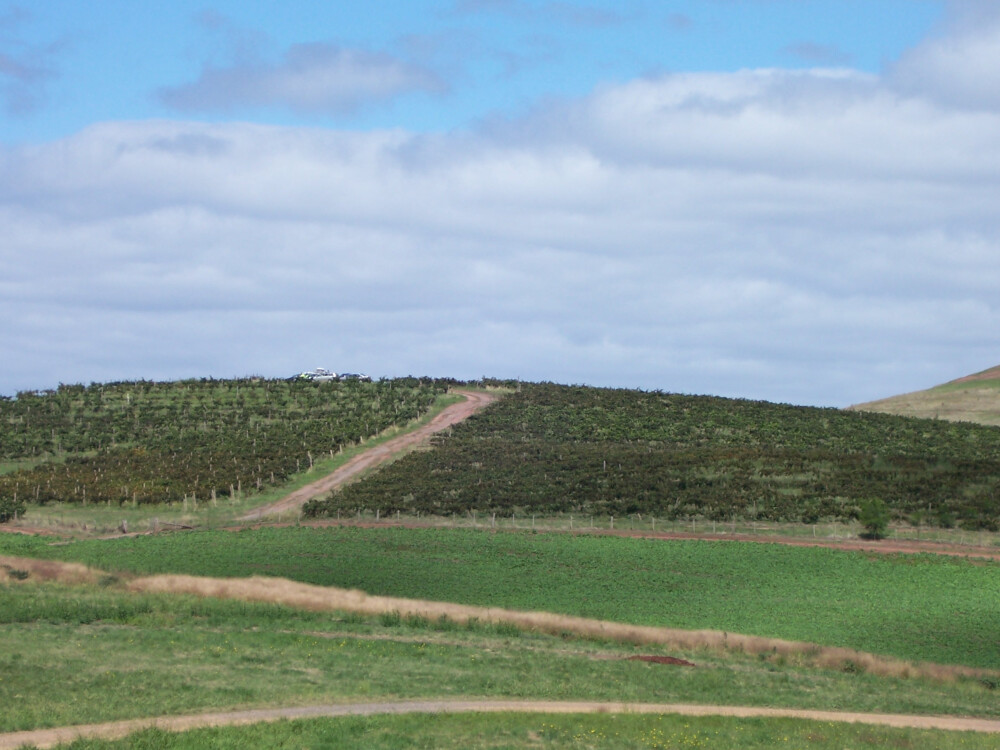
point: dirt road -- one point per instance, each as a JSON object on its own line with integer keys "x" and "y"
{"x": 45, "y": 738}
{"x": 883, "y": 546}
{"x": 474, "y": 401}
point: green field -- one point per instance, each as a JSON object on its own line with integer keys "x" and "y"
{"x": 86, "y": 654}
{"x": 551, "y": 449}
{"x": 923, "y": 608}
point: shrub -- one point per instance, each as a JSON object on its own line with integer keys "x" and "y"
{"x": 874, "y": 516}
{"x": 10, "y": 507}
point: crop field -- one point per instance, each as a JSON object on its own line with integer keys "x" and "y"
{"x": 145, "y": 443}
{"x": 922, "y": 608}
{"x": 558, "y": 449}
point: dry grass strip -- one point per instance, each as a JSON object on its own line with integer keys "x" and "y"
{"x": 327, "y": 599}
{"x": 25, "y": 568}
{"x": 330, "y": 599}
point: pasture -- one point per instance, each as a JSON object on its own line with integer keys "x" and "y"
{"x": 920, "y": 608}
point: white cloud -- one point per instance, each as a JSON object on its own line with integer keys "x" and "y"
{"x": 312, "y": 78}
{"x": 814, "y": 237}
{"x": 959, "y": 67}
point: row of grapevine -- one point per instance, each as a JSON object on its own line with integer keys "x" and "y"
{"x": 555, "y": 449}
{"x": 159, "y": 442}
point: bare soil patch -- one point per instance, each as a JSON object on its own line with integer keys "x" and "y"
{"x": 991, "y": 374}
{"x": 654, "y": 659}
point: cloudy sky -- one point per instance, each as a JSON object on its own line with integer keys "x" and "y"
{"x": 795, "y": 200}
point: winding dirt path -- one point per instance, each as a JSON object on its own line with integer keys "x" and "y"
{"x": 474, "y": 401}
{"x": 46, "y": 738}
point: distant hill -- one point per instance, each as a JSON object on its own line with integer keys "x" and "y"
{"x": 974, "y": 398}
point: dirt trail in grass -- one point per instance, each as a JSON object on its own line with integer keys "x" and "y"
{"x": 45, "y": 738}
{"x": 474, "y": 401}
{"x": 883, "y": 546}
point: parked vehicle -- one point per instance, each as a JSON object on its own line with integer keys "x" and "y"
{"x": 319, "y": 374}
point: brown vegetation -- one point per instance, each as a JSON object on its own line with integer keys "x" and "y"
{"x": 25, "y": 568}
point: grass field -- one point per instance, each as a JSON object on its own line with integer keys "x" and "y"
{"x": 84, "y": 654}
{"x": 513, "y": 730}
{"x": 922, "y": 608}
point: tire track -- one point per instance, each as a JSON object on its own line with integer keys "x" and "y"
{"x": 47, "y": 738}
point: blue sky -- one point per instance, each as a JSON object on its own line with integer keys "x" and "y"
{"x": 115, "y": 60}
{"x": 781, "y": 199}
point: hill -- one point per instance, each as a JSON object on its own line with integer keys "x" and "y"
{"x": 974, "y": 398}
{"x": 551, "y": 449}
{"x": 148, "y": 443}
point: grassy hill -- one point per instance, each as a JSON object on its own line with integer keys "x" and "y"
{"x": 552, "y": 449}
{"x": 974, "y": 398}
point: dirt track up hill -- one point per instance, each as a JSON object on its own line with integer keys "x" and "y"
{"x": 474, "y": 401}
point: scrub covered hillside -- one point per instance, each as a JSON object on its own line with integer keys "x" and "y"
{"x": 562, "y": 449}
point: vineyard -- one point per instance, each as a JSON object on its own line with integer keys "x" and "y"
{"x": 552, "y": 449}
{"x": 147, "y": 442}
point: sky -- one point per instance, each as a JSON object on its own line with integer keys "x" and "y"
{"x": 790, "y": 200}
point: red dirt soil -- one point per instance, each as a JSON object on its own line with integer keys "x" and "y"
{"x": 992, "y": 374}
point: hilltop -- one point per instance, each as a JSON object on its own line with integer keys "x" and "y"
{"x": 973, "y": 398}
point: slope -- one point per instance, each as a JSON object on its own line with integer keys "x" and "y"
{"x": 973, "y": 398}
